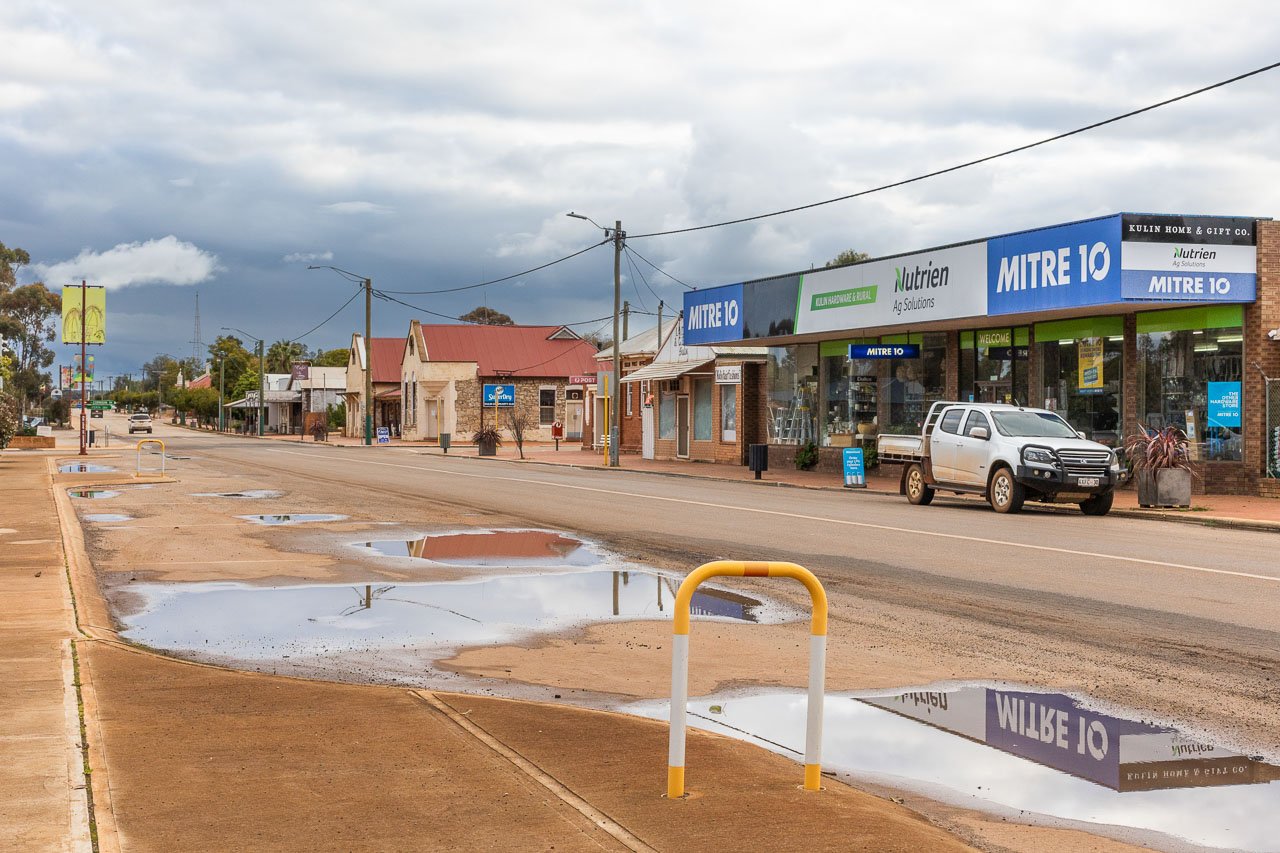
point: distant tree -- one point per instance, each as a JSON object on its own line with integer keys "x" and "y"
{"x": 10, "y": 260}
{"x": 282, "y": 354}
{"x": 848, "y": 256}
{"x": 487, "y": 316}
{"x": 162, "y": 372}
{"x": 331, "y": 357}
{"x": 519, "y": 423}
{"x": 598, "y": 340}
{"x": 238, "y": 360}
{"x": 31, "y": 316}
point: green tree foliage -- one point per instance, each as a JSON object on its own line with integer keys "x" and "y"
{"x": 337, "y": 416}
{"x": 29, "y": 319}
{"x": 331, "y": 357}
{"x": 10, "y": 260}
{"x": 848, "y": 256}
{"x": 162, "y": 372}
{"x": 200, "y": 403}
{"x": 229, "y": 354}
{"x": 246, "y": 383}
{"x": 487, "y": 316}
{"x": 282, "y": 354}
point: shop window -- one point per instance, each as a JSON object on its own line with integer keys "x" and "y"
{"x": 1190, "y": 375}
{"x": 546, "y": 406}
{"x": 994, "y": 365}
{"x": 666, "y": 415}
{"x": 793, "y": 394}
{"x": 850, "y": 390}
{"x": 728, "y": 412}
{"x": 1080, "y": 369}
{"x": 913, "y": 384}
{"x": 702, "y": 409}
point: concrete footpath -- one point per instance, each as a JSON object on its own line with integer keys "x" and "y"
{"x": 185, "y": 756}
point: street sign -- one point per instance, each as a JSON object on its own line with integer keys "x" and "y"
{"x": 873, "y": 351}
{"x": 855, "y": 473}
{"x": 500, "y": 396}
{"x": 384, "y": 435}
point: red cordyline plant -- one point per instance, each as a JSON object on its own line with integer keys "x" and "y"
{"x": 1153, "y": 449}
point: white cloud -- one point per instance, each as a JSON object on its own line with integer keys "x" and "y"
{"x": 167, "y": 260}
{"x": 295, "y": 257}
{"x": 356, "y": 207}
{"x": 182, "y": 182}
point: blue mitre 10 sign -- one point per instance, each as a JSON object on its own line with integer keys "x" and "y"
{"x": 873, "y": 351}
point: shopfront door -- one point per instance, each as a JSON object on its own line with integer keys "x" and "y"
{"x": 682, "y": 427}
{"x": 573, "y": 420}
{"x": 1000, "y": 364}
{"x": 432, "y": 426}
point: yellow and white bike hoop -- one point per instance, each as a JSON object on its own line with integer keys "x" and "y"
{"x": 680, "y": 663}
{"x": 162, "y": 454}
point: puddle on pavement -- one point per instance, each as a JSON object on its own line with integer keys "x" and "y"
{"x": 84, "y": 468}
{"x": 1045, "y": 753}
{"x": 95, "y": 494}
{"x": 240, "y": 622}
{"x": 491, "y": 548}
{"x": 293, "y": 518}
{"x": 107, "y": 517}
{"x": 252, "y": 494}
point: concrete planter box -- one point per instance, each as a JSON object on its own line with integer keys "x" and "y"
{"x": 1164, "y": 487}
{"x": 488, "y": 448}
{"x": 31, "y": 442}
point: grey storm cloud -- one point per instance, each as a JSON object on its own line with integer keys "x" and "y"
{"x": 429, "y": 146}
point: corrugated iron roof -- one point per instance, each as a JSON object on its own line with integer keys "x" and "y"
{"x": 510, "y": 350}
{"x": 388, "y": 354}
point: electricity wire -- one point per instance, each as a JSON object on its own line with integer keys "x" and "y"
{"x": 659, "y": 269}
{"x": 504, "y": 278}
{"x": 967, "y": 164}
{"x": 325, "y": 320}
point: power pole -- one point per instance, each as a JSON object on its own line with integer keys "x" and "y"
{"x": 262, "y": 394}
{"x": 368, "y": 361}
{"x": 222, "y": 388}
{"x": 614, "y": 409}
{"x": 626, "y": 319}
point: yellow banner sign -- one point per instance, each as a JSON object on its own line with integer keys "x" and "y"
{"x": 84, "y": 308}
{"x": 1090, "y": 363}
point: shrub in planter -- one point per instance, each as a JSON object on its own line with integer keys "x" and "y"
{"x": 488, "y": 439}
{"x": 1161, "y": 464}
{"x": 806, "y": 456}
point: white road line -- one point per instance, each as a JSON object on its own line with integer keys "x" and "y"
{"x": 840, "y": 521}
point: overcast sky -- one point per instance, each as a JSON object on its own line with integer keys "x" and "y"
{"x": 169, "y": 148}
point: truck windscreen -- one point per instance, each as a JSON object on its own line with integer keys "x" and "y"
{"x": 1033, "y": 425}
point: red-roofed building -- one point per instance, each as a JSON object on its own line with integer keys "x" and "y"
{"x": 445, "y": 368}
{"x": 386, "y": 356}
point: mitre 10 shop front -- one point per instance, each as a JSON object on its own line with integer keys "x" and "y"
{"x": 1115, "y": 323}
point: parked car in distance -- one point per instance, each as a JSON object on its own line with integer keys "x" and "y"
{"x": 1008, "y": 454}
{"x": 140, "y": 423}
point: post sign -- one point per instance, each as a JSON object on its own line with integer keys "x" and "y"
{"x": 500, "y": 396}
{"x": 582, "y": 379}
{"x": 881, "y": 351}
{"x": 855, "y": 472}
{"x": 384, "y": 435}
{"x": 84, "y": 308}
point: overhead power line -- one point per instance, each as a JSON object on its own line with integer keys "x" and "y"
{"x": 326, "y": 319}
{"x": 967, "y": 164}
{"x": 659, "y": 269}
{"x": 504, "y": 278}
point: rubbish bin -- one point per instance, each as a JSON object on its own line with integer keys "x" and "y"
{"x": 92, "y": 435}
{"x": 758, "y": 458}
{"x": 445, "y": 439}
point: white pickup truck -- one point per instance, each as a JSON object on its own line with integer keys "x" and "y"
{"x": 1008, "y": 454}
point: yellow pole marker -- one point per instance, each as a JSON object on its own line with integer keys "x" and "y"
{"x": 604, "y": 427}
{"x": 680, "y": 663}
{"x": 138, "y": 472}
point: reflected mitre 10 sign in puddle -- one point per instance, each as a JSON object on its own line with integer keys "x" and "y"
{"x": 1035, "y": 752}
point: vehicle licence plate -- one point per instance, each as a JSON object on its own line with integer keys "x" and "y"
{"x": 1088, "y": 481}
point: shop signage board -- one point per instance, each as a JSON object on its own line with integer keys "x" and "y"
{"x": 582, "y": 379}
{"x": 1224, "y": 404}
{"x": 1189, "y": 258}
{"x": 729, "y": 374}
{"x": 1089, "y": 363}
{"x": 384, "y": 435}
{"x": 1069, "y": 266}
{"x": 500, "y": 396}
{"x": 936, "y": 285}
{"x": 874, "y": 352}
{"x": 855, "y": 472}
{"x": 713, "y": 315}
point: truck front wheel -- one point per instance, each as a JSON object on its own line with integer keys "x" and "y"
{"x": 1005, "y": 493}
{"x": 919, "y": 492}
{"x": 1098, "y": 504}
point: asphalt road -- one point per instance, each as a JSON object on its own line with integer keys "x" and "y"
{"x": 1177, "y": 621}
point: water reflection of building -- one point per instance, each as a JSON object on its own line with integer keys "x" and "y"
{"x": 1057, "y": 731}
{"x": 709, "y": 601}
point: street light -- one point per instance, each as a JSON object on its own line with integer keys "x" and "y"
{"x": 368, "y": 343}
{"x": 262, "y": 406}
{"x": 619, "y": 238}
